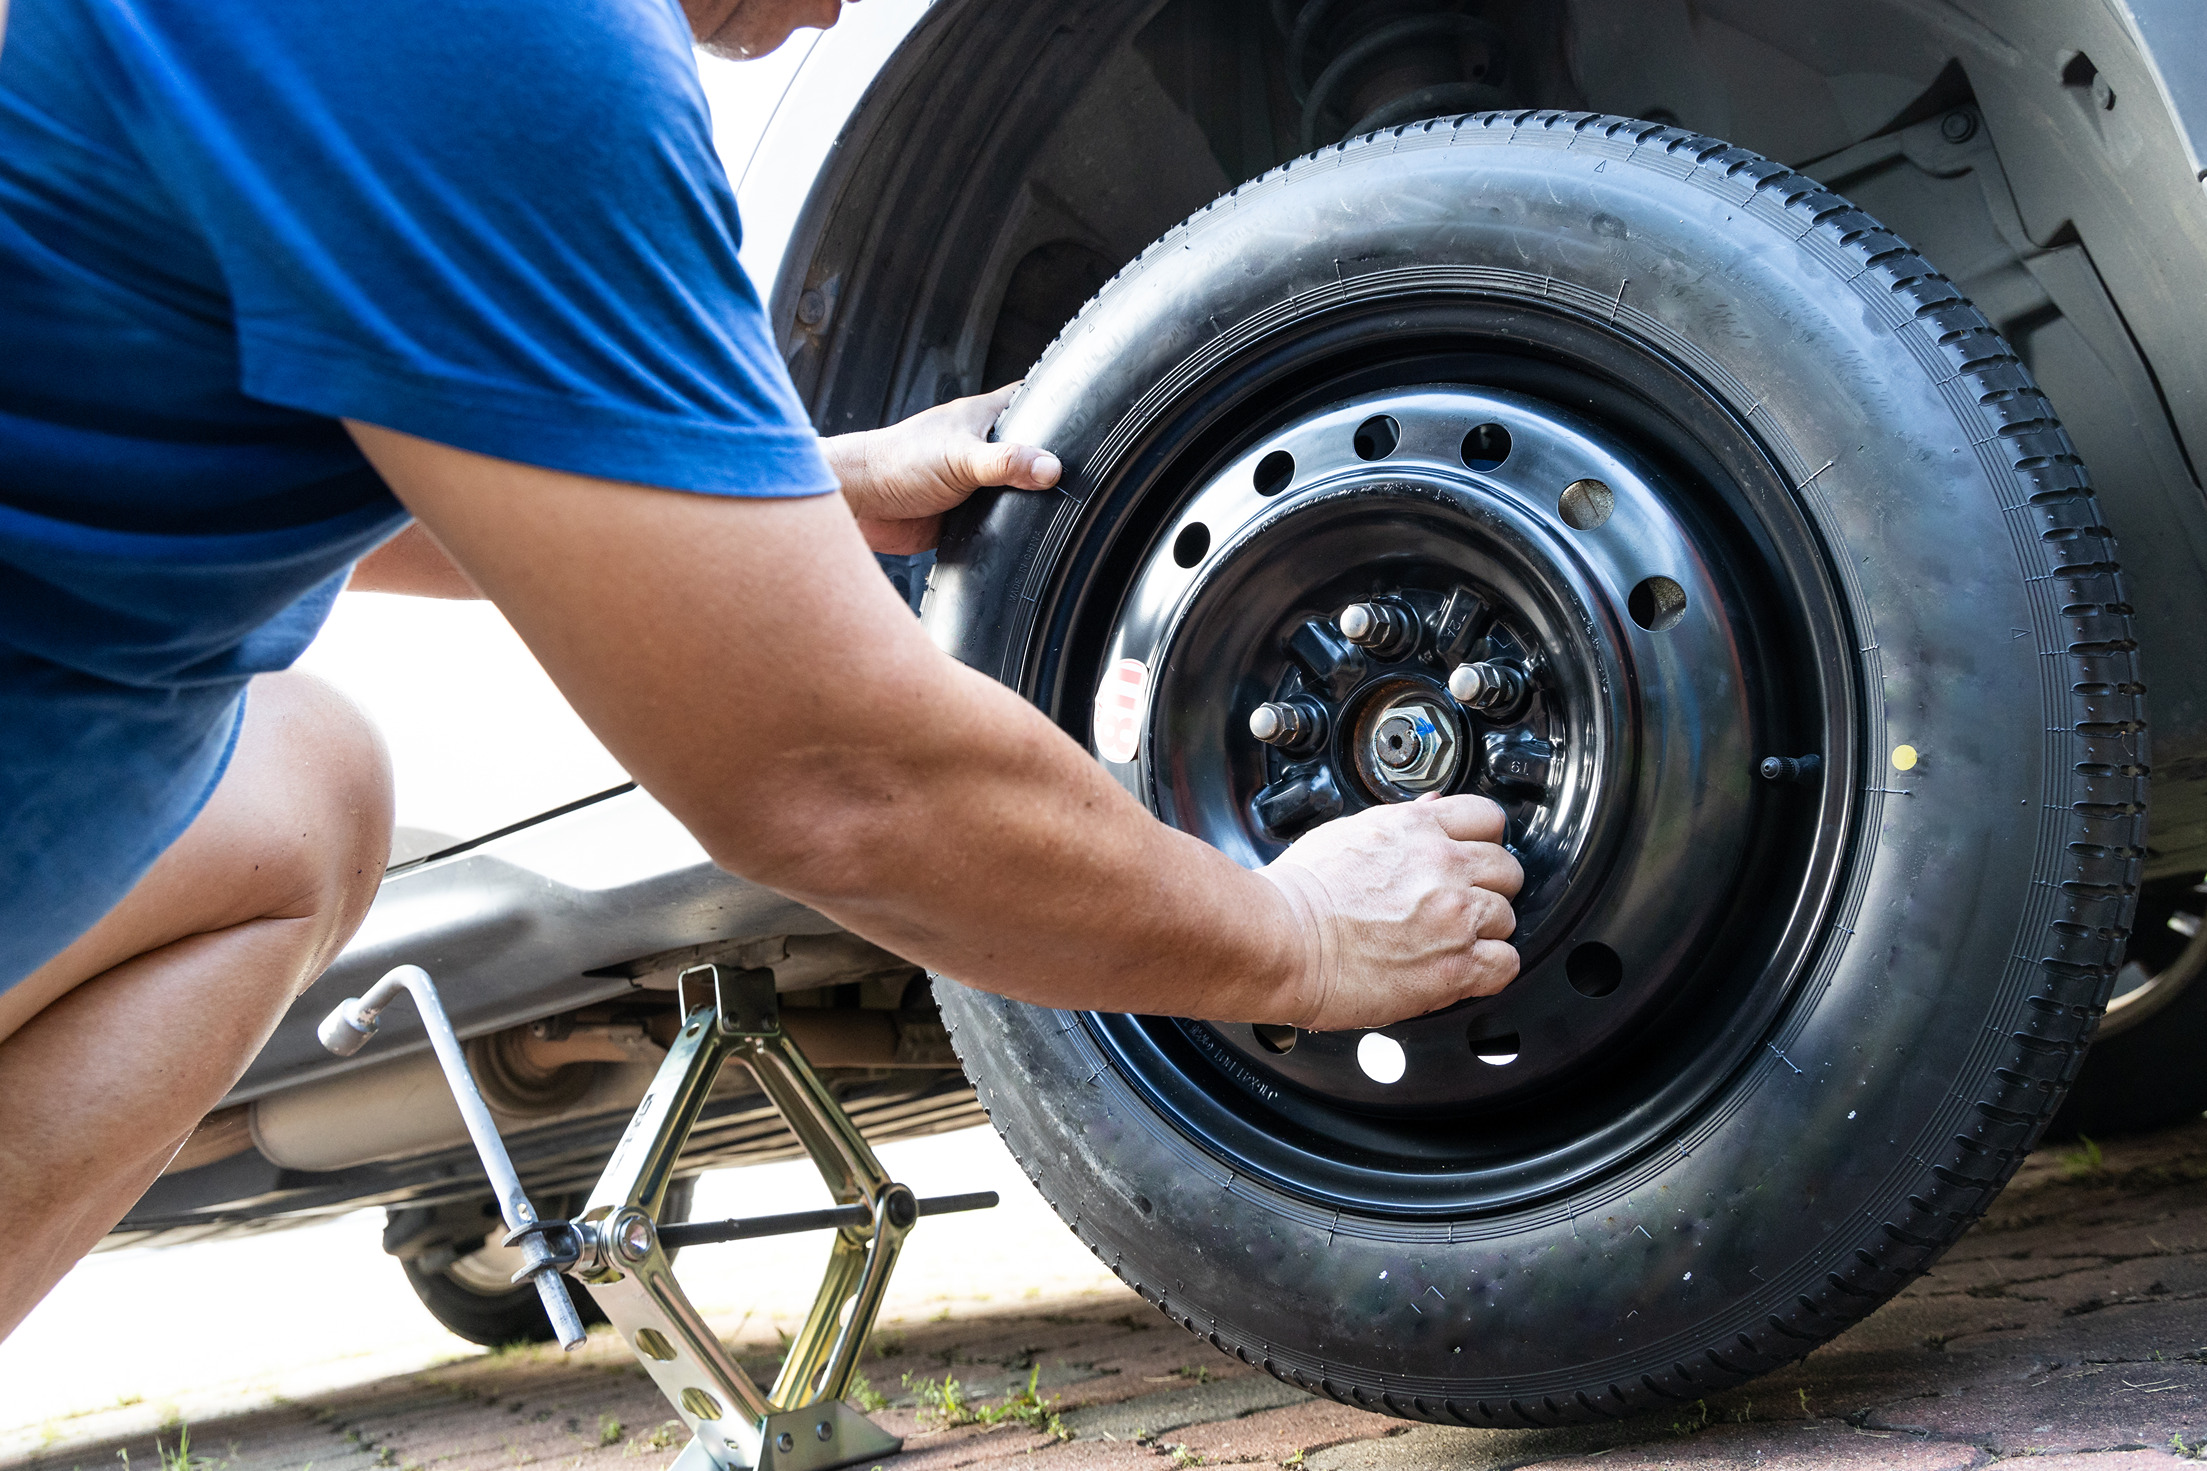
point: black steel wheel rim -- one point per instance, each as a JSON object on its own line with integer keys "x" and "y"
{"x": 1655, "y": 846}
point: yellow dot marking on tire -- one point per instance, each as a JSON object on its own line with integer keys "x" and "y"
{"x": 1904, "y": 758}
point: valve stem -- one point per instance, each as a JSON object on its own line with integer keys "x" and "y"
{"x": 1490, "y": 686}
{"x": 1292, "y": 725}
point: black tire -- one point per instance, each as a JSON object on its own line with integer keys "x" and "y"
{"x": 1830, "y": 1123}
{"x": 464, "y": 1301}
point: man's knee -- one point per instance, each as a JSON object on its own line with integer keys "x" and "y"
{"x": 319, "y": 798}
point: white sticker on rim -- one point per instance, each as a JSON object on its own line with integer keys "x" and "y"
{"x": 1121, "y": 702}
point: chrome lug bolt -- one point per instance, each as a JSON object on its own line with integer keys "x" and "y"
{"x": 1387, "y": 629}
{"x": 1359, "y": 621}
{"x": 1292, "y": 725}
{"x": 1491, "y": 685}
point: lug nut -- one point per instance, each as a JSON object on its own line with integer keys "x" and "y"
{"x": 1292, "y": 725}
{"x": 1490, "y": 685}
{"x": 1383, "y": 627}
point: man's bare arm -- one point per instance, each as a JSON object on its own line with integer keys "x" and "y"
{"x": 897, "y": 480}
{"x": 746, "y": 661}
{"x": 411, "y": 563}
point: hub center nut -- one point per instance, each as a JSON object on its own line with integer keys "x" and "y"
{"x": 1410, "y": 744}
{"x": 1399, "y": 742}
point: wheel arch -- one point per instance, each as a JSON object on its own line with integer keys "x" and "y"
{"x": 943, "y": 182}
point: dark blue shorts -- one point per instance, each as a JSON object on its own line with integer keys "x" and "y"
{"x": 95, "y": 783}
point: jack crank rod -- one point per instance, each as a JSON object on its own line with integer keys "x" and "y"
{"x": 705, "y": 1233}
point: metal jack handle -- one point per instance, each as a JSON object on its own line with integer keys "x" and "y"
{"x": 347, "y": 1029}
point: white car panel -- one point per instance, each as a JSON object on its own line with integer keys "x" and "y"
{"x": 773, "y": 187}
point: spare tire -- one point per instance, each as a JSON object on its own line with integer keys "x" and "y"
{"x": 1722, "y": 476}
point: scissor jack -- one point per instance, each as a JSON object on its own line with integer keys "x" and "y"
{"x": 618, "y": 1246}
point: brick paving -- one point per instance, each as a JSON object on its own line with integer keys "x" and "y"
{"x": 2069, "y": 1327}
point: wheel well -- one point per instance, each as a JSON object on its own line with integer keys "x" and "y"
{"x": 1010, "y": 158}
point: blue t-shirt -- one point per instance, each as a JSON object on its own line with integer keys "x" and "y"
{"x": 227, "y": 224}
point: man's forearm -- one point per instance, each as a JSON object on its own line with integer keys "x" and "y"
{"x": 747, "y": 662}
{"x": 980, "y": 839}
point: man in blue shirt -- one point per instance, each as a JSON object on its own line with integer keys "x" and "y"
{"x": 275, "y": 277}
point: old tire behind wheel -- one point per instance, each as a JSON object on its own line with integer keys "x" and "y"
{"x": 473, "y": 1298}
{"x": 1870, "y": 1032}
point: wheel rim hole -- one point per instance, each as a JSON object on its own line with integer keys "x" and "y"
{"x": 1274, "y": 472}
{"x": 1194, "y": 540}
{"x": 1495, "y": 1051}
{"x": 1486, "y": 447}
{"x": 1585, "y": 504}
{"x": 1656, "y": 604}
{"x": 1593, "y": 969}
{"x": 1377, "y": 437}
{"x": 1275, "y": 1039}
{"x": 1381, "y": 1057}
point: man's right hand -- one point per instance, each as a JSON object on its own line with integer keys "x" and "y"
{"x": 1407, "y": 908}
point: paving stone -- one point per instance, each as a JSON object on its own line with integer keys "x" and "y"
{"x": 2109, "y": 1461}
{"x": 970, "y": 1445}
{"x": 1794, "y": 1448}
{"x": 1154, "y": 1414}
{"x": 1451, "y": 1448}
{"x": 1098, "y": 1455}
{"x": 1275, "y": 1435}
{"x": 2067, "y": 1330}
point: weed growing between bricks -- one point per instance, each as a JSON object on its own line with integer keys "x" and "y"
{"x": 945, "y": 1403}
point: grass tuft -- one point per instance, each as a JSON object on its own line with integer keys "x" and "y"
{"x": 944, "y": 1401}
{"x": 2083, "y": 1161}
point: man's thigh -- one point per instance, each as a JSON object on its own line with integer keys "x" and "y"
{"x": 298, "y": 827}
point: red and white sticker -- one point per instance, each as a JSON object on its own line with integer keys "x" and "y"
{"x": 1121, "y": 702}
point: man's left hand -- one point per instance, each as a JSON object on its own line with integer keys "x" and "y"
{"x": 898, "y": 481}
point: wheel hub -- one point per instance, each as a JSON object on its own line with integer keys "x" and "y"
{"x": 1439, "y": 590}
{"x": 1412, "y": 746}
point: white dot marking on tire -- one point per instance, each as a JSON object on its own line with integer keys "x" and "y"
{"x": 1381, "y": 1057}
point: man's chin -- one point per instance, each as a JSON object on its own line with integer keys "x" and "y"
{"x": 747, "y": 37}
